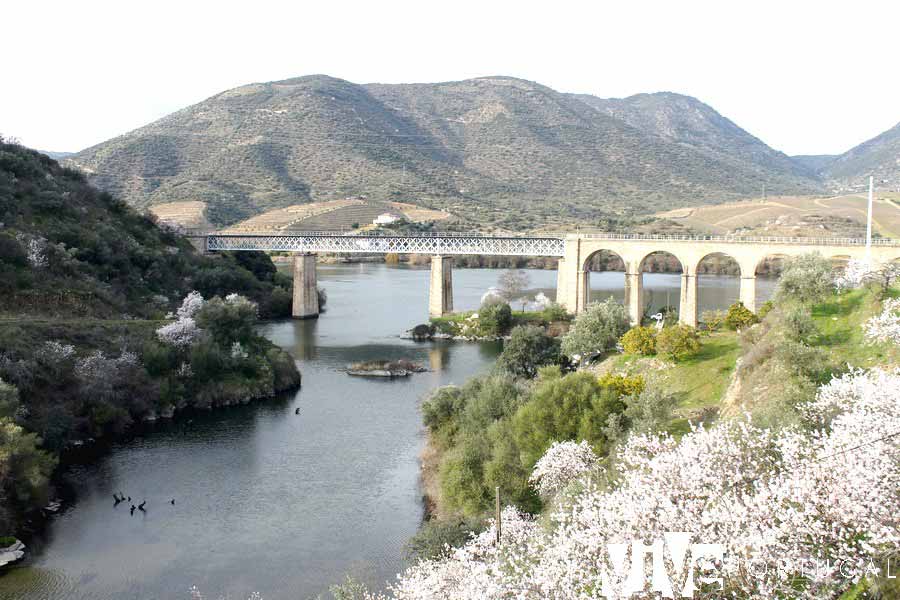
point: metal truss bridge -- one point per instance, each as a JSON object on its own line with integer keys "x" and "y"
{"x": 372, "y": 243}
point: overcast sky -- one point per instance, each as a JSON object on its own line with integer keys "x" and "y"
{"x": 805, "y": 77}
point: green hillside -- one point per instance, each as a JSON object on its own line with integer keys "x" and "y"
{"x": 85, "y": 284}
{"x": 496, "y": 149}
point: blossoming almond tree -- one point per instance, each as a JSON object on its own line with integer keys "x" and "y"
{"x": 885, "y": 327}
{"x": 800, "y": 513}
{"x": 563, "y": 463}
{"x": 184, "y": 331}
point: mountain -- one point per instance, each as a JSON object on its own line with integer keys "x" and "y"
{"x": 56, "y": 155}
{"x": 814, "y": 162}
{"x": 495, "y": 149}
{"x": 879, "y": 156}
{"x": 693, "y": 124}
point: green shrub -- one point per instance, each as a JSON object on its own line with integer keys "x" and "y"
{"x": 765, "y": 309}
{"x": 555, "y": 312}
{"x": 597, "y": 329}
{"x": 650, "y": 410}
{"x": 714, "y": 319}
{"x": 434, "y": 536}
{"x": 494, "y": 318}
{"x": 639, "y": 340}
{"x": 806, "y": 279}
{"x": 527, "y": 349}
{"x": 574, "y": 407}
{"x": 677, "y": 342}
{"x": 798, "y": 324}
{"x": 739, "y": 316}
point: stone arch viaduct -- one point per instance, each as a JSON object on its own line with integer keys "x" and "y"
{"x": 573, "y": 250}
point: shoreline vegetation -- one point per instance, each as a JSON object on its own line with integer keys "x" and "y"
{"x": 108, "y": 320}
{"x": 767, "y": 368}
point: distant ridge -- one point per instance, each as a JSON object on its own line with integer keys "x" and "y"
{"x": 494, "y": 150}
{"x": 879, "y": 157}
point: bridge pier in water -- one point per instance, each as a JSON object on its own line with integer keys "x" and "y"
{"x": 748, "y": 292}
{"x": 440, "y": 292}
{"x": 306, "y": 289}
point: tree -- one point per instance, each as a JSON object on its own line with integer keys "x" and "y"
{"x": 527, "y": 349}
{"x": 597, "y": 329}
{"x": 806, "y": 279}
{"x": 512, "y": 284}
{"x": 494, "y": 318}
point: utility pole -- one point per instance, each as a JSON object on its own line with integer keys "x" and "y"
{"x": 497, "y": 509}
{"x": 869, "y": 223}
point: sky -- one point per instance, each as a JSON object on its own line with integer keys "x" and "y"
{"x": 805, "y": 77}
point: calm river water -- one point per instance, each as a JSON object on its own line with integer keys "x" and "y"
{"x": 274, "y": 502}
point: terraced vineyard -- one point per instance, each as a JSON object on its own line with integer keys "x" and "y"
{"x": 349, "y": 213}
{"x": 189, "y": 214}
{"x": 794, "y": 216}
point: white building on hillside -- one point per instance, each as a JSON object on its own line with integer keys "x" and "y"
{"x": 387, "y": 218}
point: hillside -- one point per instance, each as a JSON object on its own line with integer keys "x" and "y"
{"x": 815, "y": 162}
{"x": 496, "y": 149}
{"x": 692, "y": 124}
{"x": 794, "y": 216}
{"x": 879, "y": 157}
{"x": 68, "y": 250}
{"x": 86, "y": 346}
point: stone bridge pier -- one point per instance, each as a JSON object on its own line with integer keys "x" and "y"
{"x": 440, "y": 290}
{"x": 306, "y": 288}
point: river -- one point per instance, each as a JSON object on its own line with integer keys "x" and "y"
{"x": 270, "y": 501}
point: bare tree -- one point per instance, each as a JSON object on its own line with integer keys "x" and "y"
{"x": 513, "y": 284}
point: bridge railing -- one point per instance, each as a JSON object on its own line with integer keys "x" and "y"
{"x": 736, "y": 239}
{"x": 804, "y": 241}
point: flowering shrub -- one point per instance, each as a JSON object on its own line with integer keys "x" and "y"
{"x": 776, "y": 501}
{"x": 885, "y": 327}
{"x": 192, "y": 303}
{"x": 563, "y": 463}
{"x": 677, "y": 342}
{"x": 853, "y": 276}
{"x": 739, "y": 316}
{"x": 639, "y": 340}
{"x": 36, "y": 250}
{"x": 184, "y": 332}
{"x": 181, "y": 334}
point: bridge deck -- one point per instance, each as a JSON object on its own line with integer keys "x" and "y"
{"x": 477, "y": 243}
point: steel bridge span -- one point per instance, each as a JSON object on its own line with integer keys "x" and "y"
{"x": 574, "y": 251}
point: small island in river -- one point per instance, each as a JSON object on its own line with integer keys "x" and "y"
{"x": 385, "y": 368}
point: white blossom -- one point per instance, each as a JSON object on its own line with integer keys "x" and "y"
{"x": 36, "y": 250}
{"x": 492, "y": 294}
{"x": 885, "y": 327}
{"x": 853, "y": 276}
{"x": 181, "y": 334}
{"x": 785, "y": 500}
{"x": 184, "y": 331}
{"x": 563, "y": 463}
{"x": 542, "y": 300}
{"x": 56, "y": 352}
{"x": 192, "y": 303}
{"x": 237, "y": 351}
